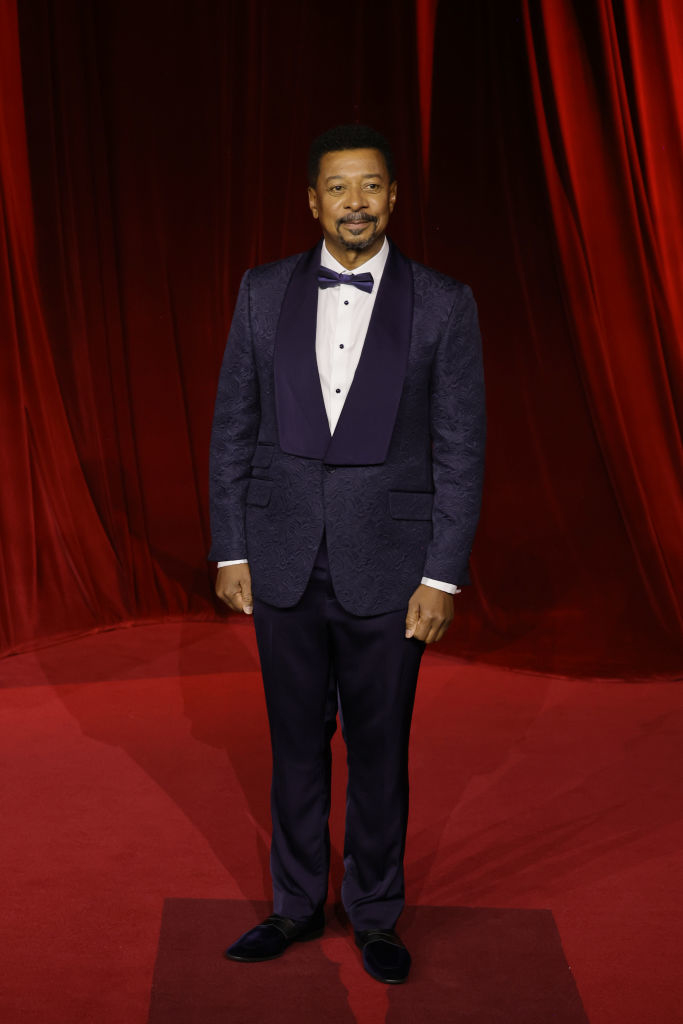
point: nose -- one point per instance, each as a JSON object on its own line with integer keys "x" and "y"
{"x": 356, "y": 198}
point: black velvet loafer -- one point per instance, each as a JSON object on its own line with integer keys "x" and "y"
{"x": 384, "y": 956}
{"x": 272, "y": 937}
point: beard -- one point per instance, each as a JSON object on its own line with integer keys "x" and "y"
{"x": 360, "y": 244}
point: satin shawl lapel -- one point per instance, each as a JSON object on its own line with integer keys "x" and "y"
{"x": 364, "y": 429}
{"x": 302, "y": 421}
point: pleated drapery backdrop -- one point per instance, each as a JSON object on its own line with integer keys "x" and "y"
{"x": 151, "y": 152}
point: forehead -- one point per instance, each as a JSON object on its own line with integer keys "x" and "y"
{"x": 353, "y": 163}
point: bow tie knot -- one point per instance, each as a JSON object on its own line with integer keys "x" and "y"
{"x": 330, "y": 279}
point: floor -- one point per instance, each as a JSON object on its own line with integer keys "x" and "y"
{"x": 135, "y": 768}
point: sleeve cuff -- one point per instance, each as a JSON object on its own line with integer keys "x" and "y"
{"x": 235, "y": 561}
{"x": 448, "y": 588}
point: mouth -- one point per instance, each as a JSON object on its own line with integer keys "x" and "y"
{"x": 356, "y": 223}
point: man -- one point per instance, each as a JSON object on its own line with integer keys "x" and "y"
{"x": 346, "y": 470}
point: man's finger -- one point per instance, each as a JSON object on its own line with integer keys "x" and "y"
{"x": 440, "y": 632}
{"x": 422, "y": 629}
{"x": 433, "y": 634}
{"x": 439, "y": 627}
{"x": 430, "y": 627}
{"x": 412, "y": 618}
{"x": 233, "y": 601}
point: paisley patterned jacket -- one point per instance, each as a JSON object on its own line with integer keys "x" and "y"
{"x": 397, "y": 488}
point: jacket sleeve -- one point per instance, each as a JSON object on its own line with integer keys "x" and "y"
{"x": 233, "y": 436}
{"x": 458, "y": 431}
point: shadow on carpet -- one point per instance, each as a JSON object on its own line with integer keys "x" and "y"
{"x": 482, "y": 966}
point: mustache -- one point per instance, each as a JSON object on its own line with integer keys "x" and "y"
{"x": 358, "y": 218}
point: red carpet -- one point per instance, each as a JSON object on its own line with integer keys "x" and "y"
{"x": 135, "y": 820}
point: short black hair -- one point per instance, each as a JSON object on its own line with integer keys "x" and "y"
{"x": 347, "y": 136}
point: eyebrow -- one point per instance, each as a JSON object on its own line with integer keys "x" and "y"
{"x": 334, "y": 177}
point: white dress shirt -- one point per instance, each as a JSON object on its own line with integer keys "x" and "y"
{"x": 344, "y": 313}
{"x": 343, "y": 319}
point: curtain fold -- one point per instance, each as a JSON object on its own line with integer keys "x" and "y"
{"x": 608, "y": 94}
{"x": 49, "y": 525}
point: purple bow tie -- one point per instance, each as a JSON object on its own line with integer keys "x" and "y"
{"x": 330, "y": 278}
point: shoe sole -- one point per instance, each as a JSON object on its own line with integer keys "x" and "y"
{"x": 386, "y": 981}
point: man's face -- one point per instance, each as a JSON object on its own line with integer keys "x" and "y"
{"x": 353, "y": 200}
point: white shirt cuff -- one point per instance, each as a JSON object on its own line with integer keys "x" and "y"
{"x": 235, "y": 561}
{"x": 448, "y": 588}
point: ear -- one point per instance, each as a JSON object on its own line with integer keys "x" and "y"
{"x": 313, "y": 202}
{"x": 393, "y": 192}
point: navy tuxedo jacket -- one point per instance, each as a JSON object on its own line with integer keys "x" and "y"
{"x": 397, "y": 488}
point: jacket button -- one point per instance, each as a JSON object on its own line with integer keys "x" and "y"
{"x": 329, "y": 469}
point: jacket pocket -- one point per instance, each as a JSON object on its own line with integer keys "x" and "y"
{"x": 259, "y": 491}
{"x": 263, "y": 456}
{"x": 411, "y": 504}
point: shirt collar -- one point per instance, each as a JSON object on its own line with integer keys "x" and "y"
{"x": 374, "y": 266}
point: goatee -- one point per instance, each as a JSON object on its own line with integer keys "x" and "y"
{"x": 359, "y": 244}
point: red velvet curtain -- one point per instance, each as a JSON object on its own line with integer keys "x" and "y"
{"x": 608, "y": 94}
{"x": 579, "y": 546}
{"x": 150, "y": 153}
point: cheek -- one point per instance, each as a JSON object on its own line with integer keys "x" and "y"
{"x": 331, "y": 211}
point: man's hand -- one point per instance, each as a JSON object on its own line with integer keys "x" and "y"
{"x": 233, "y": 586}
{"x": 430, "y": 613}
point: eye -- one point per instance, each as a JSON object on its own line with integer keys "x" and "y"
{"x": 373, "y": 186}
{"x": 336, "y": 189}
